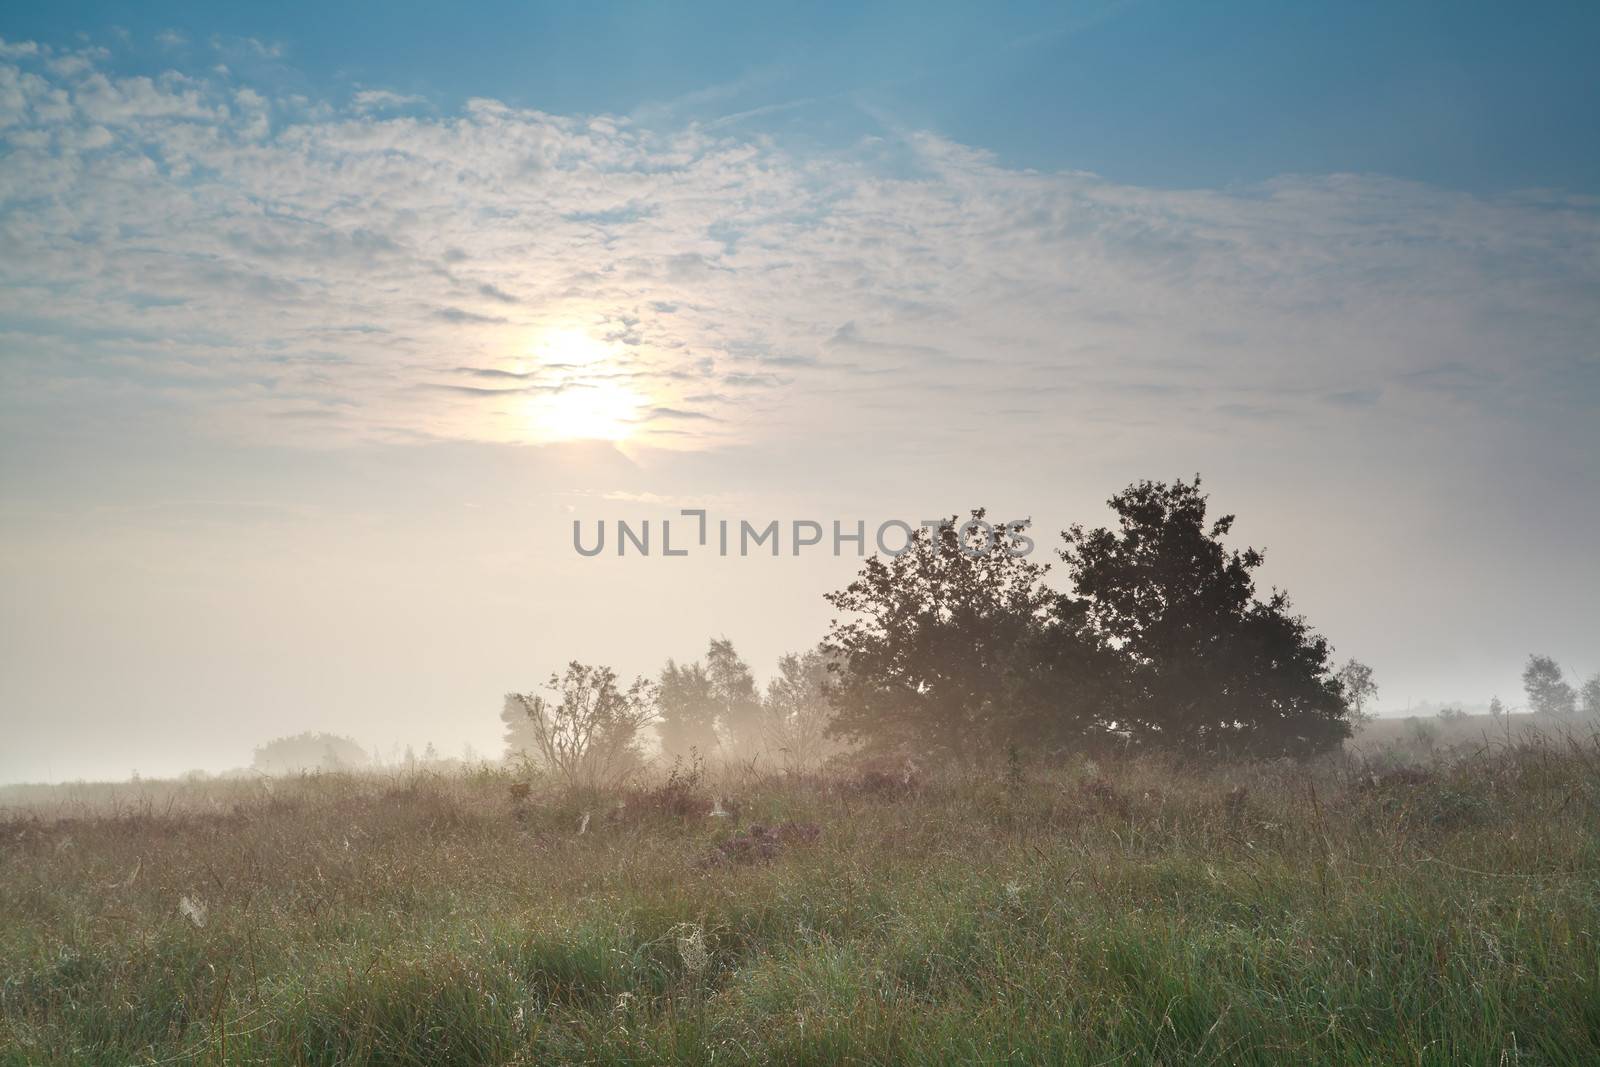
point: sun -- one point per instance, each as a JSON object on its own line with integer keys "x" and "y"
{"x": 582, "y": 396}
{"x": 586, "y": 411}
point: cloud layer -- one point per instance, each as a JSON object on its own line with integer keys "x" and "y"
{"x": 294, "y": 271}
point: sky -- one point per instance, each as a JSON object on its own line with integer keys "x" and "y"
{"x": 321, "y": 325}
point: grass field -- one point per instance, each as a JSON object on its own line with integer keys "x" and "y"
{"x": 1130, "y": 911}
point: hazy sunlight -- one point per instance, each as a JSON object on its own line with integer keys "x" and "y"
{"x": 584, "y": 400}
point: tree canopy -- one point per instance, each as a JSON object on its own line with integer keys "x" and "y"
{"x": 958, "y": 652}
{"x": 688, "y": 713}
{"x": 1162, "y": 642}
{"x": 1548, "y": 692}
{"x": 1211, "y": 667}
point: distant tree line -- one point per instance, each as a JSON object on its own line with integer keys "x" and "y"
{"x": 947, "y": 651}
{"x": 309, "y": 752}
{"x": 591, "y": 729}
{"x": 313, "y": 752}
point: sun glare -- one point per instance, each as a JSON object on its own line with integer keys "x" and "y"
{"x": 586, "y": 411}
{"x": 583, "y": 400}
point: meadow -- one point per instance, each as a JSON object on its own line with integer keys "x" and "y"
{"x": 1115, "y": 910}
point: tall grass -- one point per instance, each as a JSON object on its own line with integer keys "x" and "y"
{"x": 1134, "y": 911}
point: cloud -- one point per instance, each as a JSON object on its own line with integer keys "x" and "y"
{"x": 493, "y": 372}
{"x": 496, "y": 293}
{"x": 456, "y": 315}
{"x": 195, "y": 228}
{"x": 383, "y": 99}
{"x": 675, "y": 413}
{"x": 1353, "y": 398}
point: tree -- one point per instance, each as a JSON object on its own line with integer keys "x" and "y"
{"x": 589, "y": 735}
{"x": 1356, "y": 683}
{"x": 798, "y": 711}
{"x": 1211, "y": 667}
{"x": 519, "y": 736}
{"x": 1548, "y": 693}
{"x": 688, "y": 721}
{"x": 734, "y": 695}
{"x": 1497, "y": 710}
{"x": 1590, "y": 694}
{"x": 309, "y": 752}
{"x": 957, "y": 649}
{"x": 1423, "y": 734}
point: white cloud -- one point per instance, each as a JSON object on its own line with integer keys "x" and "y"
{"x": 382, "y": 100}
{"x": 239, "y": 270}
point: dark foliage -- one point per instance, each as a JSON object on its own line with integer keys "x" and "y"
{"x": 1209, "y": 666}
{"x": 687, "y": 722}
{"x": 953, "y": 652}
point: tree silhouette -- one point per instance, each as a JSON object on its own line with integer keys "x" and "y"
{"x": 733, "y": 692}
{"x": 589, "y": 735}
{"x": 1211, "y": 668}
{"x": 798, "y": 711}
{"x": 520, "y": 741}
{"x": 1359, "y": 688}
{"x": 957, "y": 649}
{"x": 1548, "y": 693}
{"x": 688, "y": 720}
{"x": 308, "y": 752}
{"x": 1590, "y": 695}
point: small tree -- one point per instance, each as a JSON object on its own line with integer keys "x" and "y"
{"x": 734, "y": 695}
{"x": 589, "y": 735}
{"x": 688, "y": 722}
{"x": 1590, "y": 696}
{"x": 520, "y": 741}
{"x": 1548, "y": 693}
{"x": 798, "y": 711}
{"x": 1497, "y": 710}
{"x": 1360, "y": 691}
{"x": 1424, "y": 734}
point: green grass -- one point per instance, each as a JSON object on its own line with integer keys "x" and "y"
{"x": 1147, "y": 919}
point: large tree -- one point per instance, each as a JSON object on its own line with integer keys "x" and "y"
{"x": 957, "y": 648}
{"x": 1210, "y": 667}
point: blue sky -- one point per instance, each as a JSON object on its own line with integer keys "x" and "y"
{"x": 320, "y": 325}
{"x": 1476, "y": 96}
